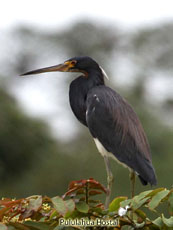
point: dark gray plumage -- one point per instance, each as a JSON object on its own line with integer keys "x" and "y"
{"x": 112, "y": 122}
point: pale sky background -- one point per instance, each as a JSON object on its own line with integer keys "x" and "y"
{"x": 125, "y": 14}
{"x": 59, "y": 13}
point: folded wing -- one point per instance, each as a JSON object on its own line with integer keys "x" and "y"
{"x": 112, "y": 121}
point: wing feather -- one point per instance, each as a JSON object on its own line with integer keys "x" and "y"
{"x": 114, "y": 123}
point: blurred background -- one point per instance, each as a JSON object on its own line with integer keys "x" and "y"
{"x": 42, "y": 145}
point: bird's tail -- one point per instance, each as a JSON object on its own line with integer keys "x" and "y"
{"x": 149, "y": 175}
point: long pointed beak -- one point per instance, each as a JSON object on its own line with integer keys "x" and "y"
{"x": 61, "y": 68}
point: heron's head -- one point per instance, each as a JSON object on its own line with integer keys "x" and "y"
{"x": 84, "y": 65}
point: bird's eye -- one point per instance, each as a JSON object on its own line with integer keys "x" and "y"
{"x": 73, "y": 62}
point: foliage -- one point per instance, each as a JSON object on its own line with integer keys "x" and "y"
{"x": 22, "y": 139}
{"x": 132, "y": 59}
{"x": 77, "y": 204}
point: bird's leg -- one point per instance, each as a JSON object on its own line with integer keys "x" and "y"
{"x": 132, "y": 178}
{"x": 109, "y": 181}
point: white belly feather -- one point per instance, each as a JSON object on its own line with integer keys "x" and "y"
{"x": 104, "y": 152}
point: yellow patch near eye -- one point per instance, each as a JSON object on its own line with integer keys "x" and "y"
{"x": 70, "y": 64}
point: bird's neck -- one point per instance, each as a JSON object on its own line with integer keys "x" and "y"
{"x": 95, "y": 78}
{"x": 79, "y": 89}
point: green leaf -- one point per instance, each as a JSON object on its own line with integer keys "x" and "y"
{"x": 70, "y": 204}
{"x": 34, "y": 205}
{"x": 136, "y": 205}
{"x": 19, "y": 226}
{"x": 97, "y": 210}
{"x": 158, "y": 222}
{"x": 64, "y": 228}
{"x": 38, "y": 225}
{"x": 60, "y": 228}
{"x": 139, "y": 225}
{"x": 53, "y": 214}
{"x": 140, "y": 199}
{"x": 155, "y": 191}
{"x": 3, "y": 227}
{"x": 157, "y": 199}
{"x": 141, "y": 214}
{"x": 115, "y": 204}
{"x": 82, "y": 207}
{"x": 168, "y": 221}
{"x": 75, "y": 214}
{"x": 59, "y": 205}
{"x": 142, "y": 195}
{"x": 125, "y": 202}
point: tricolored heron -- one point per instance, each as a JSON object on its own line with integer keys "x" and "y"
{"x": 111, "y": 121}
